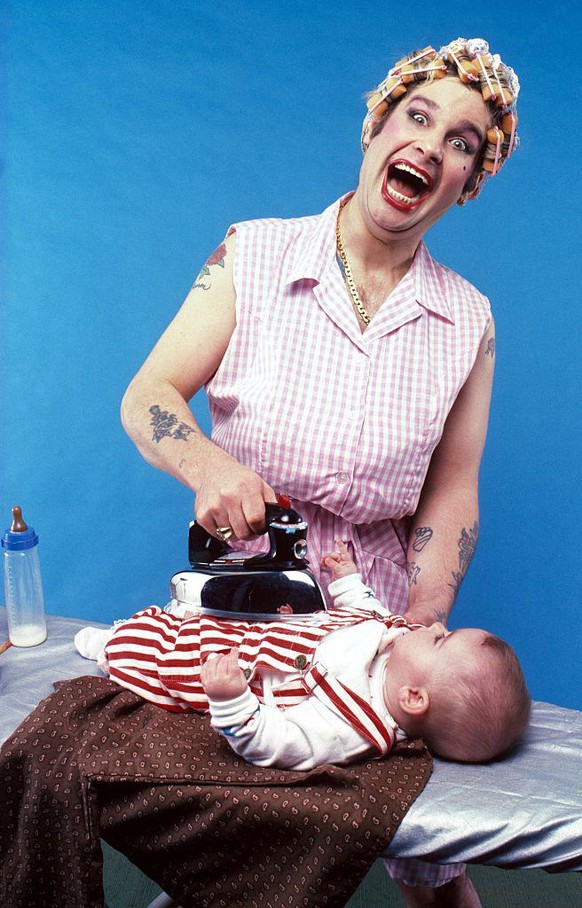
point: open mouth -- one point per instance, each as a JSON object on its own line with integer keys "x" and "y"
{"x": 405, "y": 186}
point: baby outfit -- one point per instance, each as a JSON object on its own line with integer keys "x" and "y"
{"x": 315, "y": 691}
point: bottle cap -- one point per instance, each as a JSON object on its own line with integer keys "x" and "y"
{"x": 19, "y": 536}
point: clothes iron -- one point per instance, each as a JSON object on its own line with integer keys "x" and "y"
{"x": 272, "y": 586}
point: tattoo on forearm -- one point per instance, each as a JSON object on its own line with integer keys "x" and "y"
{"x": 467, "y": 545}
{"x": 490, "y": 349}
{"x": 422, "y": 536}
{"x": 167, "y": 425}
{"x": 217, "y": 258}
{"x": 441, "y": 615}
{"x": 413, "y": 570}
{"x": 456, "y": 585}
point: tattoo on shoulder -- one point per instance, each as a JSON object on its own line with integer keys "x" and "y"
{"x": 413, "y": 570}
{"x": 167, "y": 425}
{"x": 441, "y": 616}
{"x": 467, "y": 544}
{"x": 422, "y": 536}
{"x": 217, "y": 258}
{"x": 490, "y": 348}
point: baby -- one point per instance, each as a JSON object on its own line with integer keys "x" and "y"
{"x": 340, "y": 686}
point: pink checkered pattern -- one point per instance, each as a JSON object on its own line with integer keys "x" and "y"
{"x": 344, "y": 423}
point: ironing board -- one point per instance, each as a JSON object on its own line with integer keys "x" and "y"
{"x": 523, "y": 812}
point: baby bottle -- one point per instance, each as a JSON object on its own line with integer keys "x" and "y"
{"x": 23, "y": 584}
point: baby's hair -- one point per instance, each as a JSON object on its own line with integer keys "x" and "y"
{"x": 485, "y": 711}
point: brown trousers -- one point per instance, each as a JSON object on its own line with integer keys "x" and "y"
{"x": 94, "y": 760}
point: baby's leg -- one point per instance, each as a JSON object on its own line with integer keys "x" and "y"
{"x": 90, "y": 643}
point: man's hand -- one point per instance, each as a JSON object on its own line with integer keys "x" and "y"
{"x": 230, "y": 495}
{"x": 221, "y": 677}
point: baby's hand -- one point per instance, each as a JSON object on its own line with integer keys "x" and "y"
{"x": 221, "y": 677}
{"x": 339, "y": 563}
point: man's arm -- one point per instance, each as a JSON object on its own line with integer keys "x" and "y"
{"x": 445, "y": 529}
{"x": 156, "y": 415}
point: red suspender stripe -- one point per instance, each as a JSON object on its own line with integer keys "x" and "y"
{"x": 358, "y": 713}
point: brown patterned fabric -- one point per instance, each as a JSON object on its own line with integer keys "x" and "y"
{"x": 95, "y": 760}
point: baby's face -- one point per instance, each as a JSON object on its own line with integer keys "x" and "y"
{"x": 428, "y": 656}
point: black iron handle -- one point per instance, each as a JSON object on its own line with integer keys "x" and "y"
{"x": 287, "y": 537}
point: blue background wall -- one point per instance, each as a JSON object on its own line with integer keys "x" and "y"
{"x": 135, "y": 133}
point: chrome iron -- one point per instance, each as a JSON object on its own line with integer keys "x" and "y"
{"x": 272, "y": 586}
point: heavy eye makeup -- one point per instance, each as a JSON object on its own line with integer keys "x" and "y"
{"x": 465, "y": 145}
{"x": 459, "y": 142}
{"x": 418, "y": 116}
{"x": 462, "y": 145}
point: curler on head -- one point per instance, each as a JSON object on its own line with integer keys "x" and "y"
{"x": 472, "y": 63}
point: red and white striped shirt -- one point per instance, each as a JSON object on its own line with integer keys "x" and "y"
{"x": 343, "y": 422}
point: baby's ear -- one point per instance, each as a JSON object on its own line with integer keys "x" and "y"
{"x": 413, "y": 700}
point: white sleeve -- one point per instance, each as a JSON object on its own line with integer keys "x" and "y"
{"x": 299, "y": 737}
{"x": 351, "y": 591}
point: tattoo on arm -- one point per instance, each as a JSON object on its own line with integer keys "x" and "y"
{"x": 422, "y": 536}
{"x": 167, "y": 425}
{"x": 458, "y": 579}
{"x": 467, "y": 545}
{"x": 413, "y": 570}
{"x": 490, "y": 349}
{"x": 217, "y": 258}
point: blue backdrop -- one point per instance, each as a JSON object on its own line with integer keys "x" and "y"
{"x": 134, "y": 134}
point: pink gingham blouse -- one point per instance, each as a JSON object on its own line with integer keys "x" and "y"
{"x": 343, "y": 422}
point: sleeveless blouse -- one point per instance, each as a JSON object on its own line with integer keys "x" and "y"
{"x": 341, "y": 421}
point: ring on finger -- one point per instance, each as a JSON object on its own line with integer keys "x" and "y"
{"x": 224, "y": 533}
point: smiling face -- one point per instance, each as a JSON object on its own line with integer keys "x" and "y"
{"x": 418, "y": 165}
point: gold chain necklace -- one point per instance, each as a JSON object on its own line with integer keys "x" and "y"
{"x": 349, "y": 276}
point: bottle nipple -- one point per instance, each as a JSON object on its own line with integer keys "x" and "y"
{"x": 18, "y": 524}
